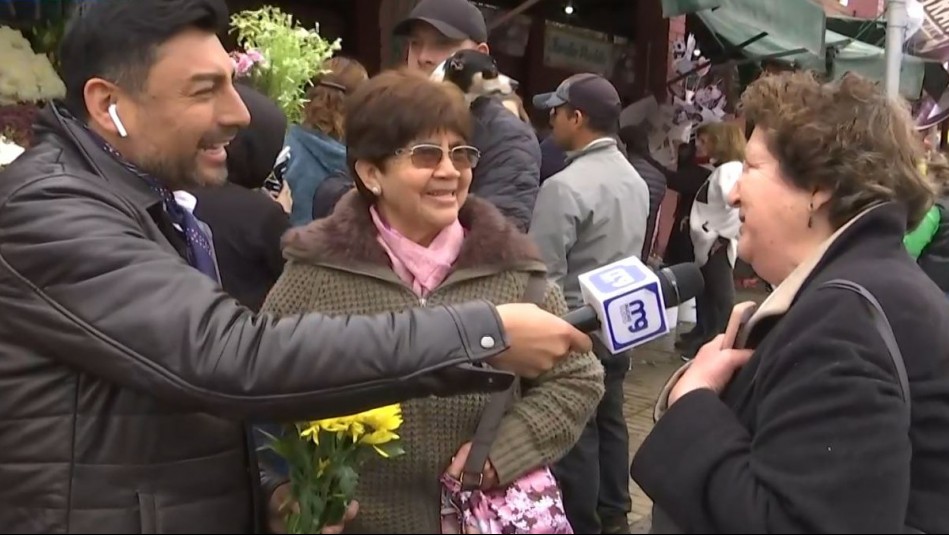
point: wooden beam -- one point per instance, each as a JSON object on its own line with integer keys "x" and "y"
{"x": 509, "y": 16}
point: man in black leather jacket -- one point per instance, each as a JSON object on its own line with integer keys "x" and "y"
{"x": 126, "y": 373}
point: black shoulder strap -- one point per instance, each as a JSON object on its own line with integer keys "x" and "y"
{"x": 497, "y": 405}
{"x": 886, "y": 332}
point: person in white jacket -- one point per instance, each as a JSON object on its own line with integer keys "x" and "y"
{"x": 714, "y": 226}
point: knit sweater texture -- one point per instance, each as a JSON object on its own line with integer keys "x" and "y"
{"x": 336, "y": 266}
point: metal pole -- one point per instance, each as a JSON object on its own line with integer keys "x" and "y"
{"x": 896, "y": 21}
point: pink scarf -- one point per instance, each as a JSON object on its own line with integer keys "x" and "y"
{"x": 422, "y": 268}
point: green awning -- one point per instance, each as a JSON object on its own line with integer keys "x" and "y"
{"x": 793, "y": 23}
{"x": 870, "y": 62}
{"x": 870, "y": 31}
{"x": 852, "y": 56}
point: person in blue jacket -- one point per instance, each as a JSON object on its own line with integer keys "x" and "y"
{"x": 316, "y": 150}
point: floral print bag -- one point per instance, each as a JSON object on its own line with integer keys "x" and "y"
{"x": 531, "y": 504}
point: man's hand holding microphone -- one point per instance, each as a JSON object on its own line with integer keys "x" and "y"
{"x": 537, "y": 340}
{"x": 626, "y": 303}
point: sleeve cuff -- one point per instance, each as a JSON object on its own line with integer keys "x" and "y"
{"x": 513, "y": 454}
{"x": 662, "y": 404}
{"x": 480, "y": 329}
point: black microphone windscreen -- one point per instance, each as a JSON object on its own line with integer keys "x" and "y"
{"x": 680, "y": 283}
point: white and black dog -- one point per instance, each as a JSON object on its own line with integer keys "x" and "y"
{"x": 476, "y": 73}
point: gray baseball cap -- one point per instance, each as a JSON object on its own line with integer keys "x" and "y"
{"x": 589, "y": 93}
{"x": 455, "y": 19}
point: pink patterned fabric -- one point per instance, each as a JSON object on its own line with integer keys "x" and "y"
{"x": 531, "y": 504}
{"x": 422, "y": 268}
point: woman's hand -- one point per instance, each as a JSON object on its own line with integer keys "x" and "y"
{"x": 280, "y": 503}
{"x": 712, "y": 368}
{"x": 490, "y": 476}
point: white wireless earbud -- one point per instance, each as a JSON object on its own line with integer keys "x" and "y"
{"x": 116, "y": 121}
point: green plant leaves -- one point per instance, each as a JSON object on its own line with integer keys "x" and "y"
{"x": 294, "y": 55}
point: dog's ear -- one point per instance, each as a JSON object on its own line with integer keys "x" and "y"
{"x": 456, "y": 63}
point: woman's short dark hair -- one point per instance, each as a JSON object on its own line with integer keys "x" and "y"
{"x": 846, "y": 137}
{"x": 395, "y": 108}
{"x": 116, "y": 40}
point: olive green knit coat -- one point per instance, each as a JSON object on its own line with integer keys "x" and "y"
{"x": 338, "y": 267}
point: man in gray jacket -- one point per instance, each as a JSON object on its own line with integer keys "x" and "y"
{"x": 508, "y": 173}
{"x": 590, "y": 214}
{"x": 127, "y": 373}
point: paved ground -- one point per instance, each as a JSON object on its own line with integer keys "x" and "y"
{"x": 653, "y": 364}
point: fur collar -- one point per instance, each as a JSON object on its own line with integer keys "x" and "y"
{"x": 348, "y": 236}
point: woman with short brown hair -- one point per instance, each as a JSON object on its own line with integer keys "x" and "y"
{"x": 411, "y": 235}
{"x": 828, "y": 410}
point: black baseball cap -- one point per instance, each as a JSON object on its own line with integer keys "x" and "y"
{"x": 455, "y": 19}
{"x": 589, "y": 93}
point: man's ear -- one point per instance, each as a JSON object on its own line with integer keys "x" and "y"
{"x": 99, "y": 95}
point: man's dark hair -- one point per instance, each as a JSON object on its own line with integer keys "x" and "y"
{"x": 607, "y": 126}
{"x": 116, "y": 40}
{"x": 603, "y": 125}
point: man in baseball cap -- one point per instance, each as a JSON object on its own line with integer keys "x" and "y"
{"x": 592, "y": 213}
{"x": 438, "y": 28}
{"x": 590, "y": 98}
{"x": 508, "y": 173}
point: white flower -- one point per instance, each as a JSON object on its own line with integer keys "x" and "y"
{"x": 9, "y": 151}
{"x": 24, "y": 75}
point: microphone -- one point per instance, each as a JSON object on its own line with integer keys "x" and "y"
{"x": 626, "y": 301}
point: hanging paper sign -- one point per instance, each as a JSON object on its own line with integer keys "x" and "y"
{"x": 576, "y": 50}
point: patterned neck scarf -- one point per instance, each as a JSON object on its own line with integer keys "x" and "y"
{"x": 199, "y": 254}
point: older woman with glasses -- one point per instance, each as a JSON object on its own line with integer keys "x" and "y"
{"x": 410, "y": 235}
{"x": 828, "y": 411}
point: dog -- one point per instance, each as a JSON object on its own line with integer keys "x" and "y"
{"x": 476, "y": 74}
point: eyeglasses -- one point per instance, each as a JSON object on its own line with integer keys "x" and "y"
{"x": 426, "y": 156}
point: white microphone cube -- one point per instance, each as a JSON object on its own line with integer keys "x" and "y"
{"x": 628, "y": 300}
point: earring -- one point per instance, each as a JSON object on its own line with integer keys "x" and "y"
{"x": 376, "y": 190}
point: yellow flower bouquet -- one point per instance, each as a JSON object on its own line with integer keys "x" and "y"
{"x": 324, "y": 457}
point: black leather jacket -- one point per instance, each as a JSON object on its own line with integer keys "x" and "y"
{"x": 126, "y": 375}
{"x": 508, "y": 173}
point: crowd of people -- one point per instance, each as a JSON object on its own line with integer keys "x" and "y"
{"x": 163, "y": 307}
